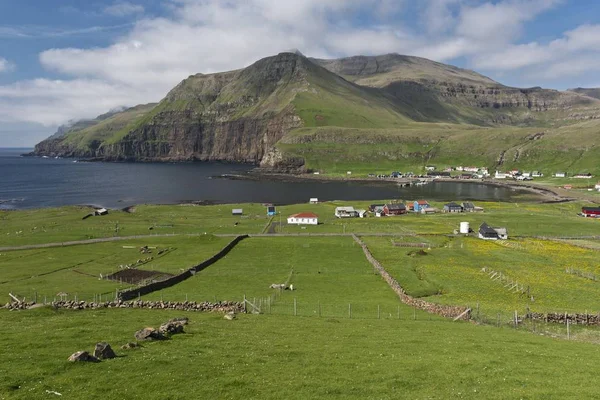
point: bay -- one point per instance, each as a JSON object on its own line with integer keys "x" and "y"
{"x": 33, "y": 182}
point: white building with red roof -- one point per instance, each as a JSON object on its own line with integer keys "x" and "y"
{"x": 305, "y": 218}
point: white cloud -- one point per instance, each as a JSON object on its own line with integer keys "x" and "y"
{"x": 5, "y": 65}
{"x": 123, "y": 9}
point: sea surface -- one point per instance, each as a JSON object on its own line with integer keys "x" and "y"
{"x": 33, "y": 182}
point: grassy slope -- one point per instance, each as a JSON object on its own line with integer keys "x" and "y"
{"x": 571, "y": 148}
{"x": 274, "y": 357}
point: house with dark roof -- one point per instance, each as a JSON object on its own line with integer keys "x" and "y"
{"x": 453, "y": 208}
{"x": 486, "y": 232}
{"x": 394, "y": 209}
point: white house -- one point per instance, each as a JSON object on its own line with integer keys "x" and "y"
{"x": 597, "y": 187}
{"x": 306, "y": 218}
{"x": 583, "y": 176}
{"x": 526, "y": 174}
{"x": 430, "y": 167}
{"x": 345, "y": 212}
{"x": 313, "y": 200}
{"x": 536, "y": 174}
{"x": 560, "y": 174}
{"x": 500, "y": 175}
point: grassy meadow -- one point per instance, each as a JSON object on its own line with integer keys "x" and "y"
{"x": 274, "y": 357}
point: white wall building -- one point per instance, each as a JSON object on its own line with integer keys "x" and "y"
{"x": 306, "y": 218}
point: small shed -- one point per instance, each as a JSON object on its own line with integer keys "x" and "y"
{"x": 429, "y": 210}
{"x": 430, "y": 167}
{"x": 394, "y": 209}
{"x": 560, "y": 174}
{"x": 271, "y": 211}
{"x": 362, "y": 213}
{"x": 101, "y": 211}
{"x": 313, "y": 200}
{"x": 305, "y": 218}
{"x": 453, "y": 208}
{"x": 237, "y": 211}
{"x": 418, "y": 205}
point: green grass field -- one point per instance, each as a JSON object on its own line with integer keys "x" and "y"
{"x": 274, "y": 357}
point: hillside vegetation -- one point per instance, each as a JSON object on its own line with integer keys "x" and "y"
{"x": 292, "y": 113}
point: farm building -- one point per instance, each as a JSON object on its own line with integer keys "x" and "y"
{"x": 101, "y": 211}
{"x": 362, "y": 213}
{"x": 313, "y": 200}
{"x": 486, "y": 232}
{"x": 536, "y": 174}
{"x": 583, "y": 176}
{"x": 375, "y": 207}
{"x": 593, "y": 212}
{"x": 237, "y": 211}
{"x": 429, "y": 210}
{"x": 396, "y": 174}
{"x": 394, "y": 209}
{"x": 305, "y": 218}
{"x": 346, "y": 212}
{"x": 500, "y": 175}
{"x": 560, "y": 174}
{"x": 430, "y": 167}
{"x": 453, "y": 208}
{"x": 420, "y": 204}
{"x": 470, "y": 207}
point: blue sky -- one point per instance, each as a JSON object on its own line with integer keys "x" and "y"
{"x": 62, "y": 60}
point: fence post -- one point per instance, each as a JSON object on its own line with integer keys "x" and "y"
{"x": 477, "y": 317}
{"x": 295, "y": 307}
{"x": 45, "y": 302}
{"x": 415, "y": 313}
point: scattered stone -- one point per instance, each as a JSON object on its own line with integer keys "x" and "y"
{"x": 148, "y": 334}
{"x": 83, "y": 356}
{"x": 170, "y": 328}
{"x": 230, "y": 316}
{"x": 103, "y": 351}
{"x": 130, "y": 345}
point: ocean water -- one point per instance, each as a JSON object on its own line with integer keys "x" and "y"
{"x": 33, "y": 182}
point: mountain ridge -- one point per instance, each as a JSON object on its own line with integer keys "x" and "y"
{"x": 244, "y": 115}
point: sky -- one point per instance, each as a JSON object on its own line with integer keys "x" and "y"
{"x": 63, "y": 60}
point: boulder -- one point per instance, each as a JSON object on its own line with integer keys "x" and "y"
{"x": 148, "y": 334}
{"x": 173, "y": 326}
{"x": 83, "y": 356}
{"x": 103, "y": 351}
{"x": 230, "y": 316}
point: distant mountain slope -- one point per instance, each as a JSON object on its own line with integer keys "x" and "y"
{"x": 254, "y": 114}
{"x": 591, "y": 92}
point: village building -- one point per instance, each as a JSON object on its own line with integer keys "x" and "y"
{"x": 560, "y": 174}
{"x": 500, "y": 175}
{"x": 101, "y": 211}
{"x": 305, "y": 218}
{"x": 453, "y": 208}
{"x": 237, "y": 211}
{"x": 396, "y": 174}
{"x": 526, "y": 174}
{"x": 537, "y": 174}
{"x": 374, "y": 207}
{"x": 362, "y": 213}
{"x": 346, "y": 212}
{"x": 597, "y": 187}
{"x": 418, "y": 205}
{"x": 465, "y": 176}
{"x": 583, "y": 176}
{"x": 313, "y": 200}
{"x": 470, "y": 207}
{"x": 271, "y": 211}
{"x": 429, "y": 210}
{"x": 486, "y": 232}
{"x": 430, "y": 167}
{"x": 394, "y": 209}
{"x": 592, "y": 212}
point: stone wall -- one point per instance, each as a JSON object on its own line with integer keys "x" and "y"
{"x": 152, "y": 287}
{"x": 223, "y": 306}
{"x": 440, "y": 309}
{"x": 562, "y": 318}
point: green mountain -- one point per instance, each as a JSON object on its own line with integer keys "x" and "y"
{"x": 290, "y": 112}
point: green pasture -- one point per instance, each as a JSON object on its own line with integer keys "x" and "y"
{"x": 274, "y": 357}
{"x": 453, "y": 274}
{"x": 76, "y": 269}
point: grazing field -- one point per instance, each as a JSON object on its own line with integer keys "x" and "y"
{"x": 329, "y": 274}
{"x": 453, "y": 274}
{"x": 76, "y": 269}
{"x": 274, "y": 357}
{"x": 58, "y": 225}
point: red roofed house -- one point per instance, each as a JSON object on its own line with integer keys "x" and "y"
{"x": 305, "y": 218}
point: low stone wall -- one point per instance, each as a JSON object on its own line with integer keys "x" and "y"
{"x": 152, "y": 287}
{"x": 562, "y": 318}
{"x": 222, "y": 307}
{"x": 439, "y": 309}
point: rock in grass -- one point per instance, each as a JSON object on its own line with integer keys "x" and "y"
{"x": 130, "y": 345}
{"x": 148, "y": 334}
{"x": 83, "y": 356}
{"x": 170, "y": 328}
{"x": 230, "y": 316}
{"x": 103, "y": 351}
